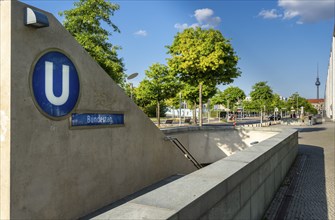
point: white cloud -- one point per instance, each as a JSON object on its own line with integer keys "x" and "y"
{"x": 308, "y": 11}
{"x": 269, "y": 14}
{"x": 203, "y": 15}
{"x": 141, "y": 33}
{"x": 204, "y": 19}
{"x": 181, "y": 27}
{"x": 305, "y": 11}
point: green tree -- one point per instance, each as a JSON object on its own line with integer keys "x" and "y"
{"x": 276, "y": 102}
{"x": 261, "y": 94}
{"x": 250, "y": 106}
{"x": 150, "y": 109}
{"x": 230, "y": 97}
{"x": 234, "y": 96}
{"x": 295, "y": 102}
{"x": 218, "y": 98}
{"x": 158, "y": 85}
{"x": 84, "y": 23}
{"x": 202, "y": 57}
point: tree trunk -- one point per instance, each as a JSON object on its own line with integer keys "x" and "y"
{"x": 158, "y": 114}
{"x": 194, "y": 113}
{"x": 200, "y": 104}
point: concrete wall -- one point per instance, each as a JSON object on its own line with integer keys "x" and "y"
{"x": 240, "y": 186}
{"x": 49, "y": 171}
{"x": 330, "y": 82}
{"x": 5, "y": 113}
{"x": 210, "y": 144}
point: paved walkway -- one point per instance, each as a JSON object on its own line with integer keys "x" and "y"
{"x": 308, "y": 191}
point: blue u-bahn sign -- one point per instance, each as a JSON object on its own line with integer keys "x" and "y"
{"x": 55, "y": 85}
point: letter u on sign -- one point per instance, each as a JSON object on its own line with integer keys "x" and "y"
{"x": 55, "y": 85}
{"x": 49, "y": 85}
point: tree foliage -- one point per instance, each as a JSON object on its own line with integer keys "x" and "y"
{"x": 200, "y": 57}
{"x": 191, "y": 93}
{"x": 276, "y": 102}
{"x": 234, "y": 95}
{"x": 231, "y": 96}
{"x": 158, "y": 86}
{"x": 295, "y": 101}
{"x": 84, "y": 23}
{"x": 261, "y": 94}
{"x": 250, "y": 106}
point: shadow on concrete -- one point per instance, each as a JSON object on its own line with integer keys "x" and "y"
{"x": 217, "y": 144}
{"x": 132, "y": 196}
{"x": 311, "y": 129}
{"x": 302, "y": 194}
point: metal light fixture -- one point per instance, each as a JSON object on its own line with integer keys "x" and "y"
{"x": 35, "y": 18}
{"x": 131, "y": 76}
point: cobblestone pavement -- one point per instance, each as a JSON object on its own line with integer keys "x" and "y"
{"x": 308, "y": 191}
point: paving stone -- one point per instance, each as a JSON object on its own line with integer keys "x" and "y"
{"x": 308, "y": 191}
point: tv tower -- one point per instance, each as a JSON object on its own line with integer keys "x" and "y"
{"x": 317, "y": 83}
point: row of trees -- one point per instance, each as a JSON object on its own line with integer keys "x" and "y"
{"x": 200, "y": 60}
{"x": 262, "y": 99}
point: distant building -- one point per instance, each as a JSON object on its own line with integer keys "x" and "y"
{"x": 318, "y": 104}
{"x": 248, "y": 98}
{"x": 330, "y": 83}
{"x": 283, "y": 98}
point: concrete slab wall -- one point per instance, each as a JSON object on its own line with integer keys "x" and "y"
{"x": 210, "y": 144}
{"x": 240, "y": 186}
{"x": 5, "y": 103}
{"x": 49, "y": 171}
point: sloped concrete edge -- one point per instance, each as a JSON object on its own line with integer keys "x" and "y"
{"x": 237, "y": 187}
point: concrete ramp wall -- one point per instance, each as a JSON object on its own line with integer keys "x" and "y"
{"x": 240, "y": 186}
{"x": 49, "y": 170}
{"x": 212, "y": 143}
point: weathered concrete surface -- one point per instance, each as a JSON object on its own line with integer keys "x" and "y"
{"x": 210, "y": 144}
{"x": 5, "y": 114}
{"x": 237, "y": 187}
{"x": 308, "y": 191}
{"x": 49, "y": 171}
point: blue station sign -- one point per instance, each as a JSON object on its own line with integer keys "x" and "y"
{"x": 55, "y": 85}
{"x": 96, "y": 119}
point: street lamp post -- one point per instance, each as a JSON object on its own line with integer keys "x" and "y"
{"x": 131, "y": 76}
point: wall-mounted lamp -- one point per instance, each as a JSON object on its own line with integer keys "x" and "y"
{"x": 35, "y": 18}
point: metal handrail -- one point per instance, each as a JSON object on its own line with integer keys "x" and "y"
{"x": 186, "y": 153}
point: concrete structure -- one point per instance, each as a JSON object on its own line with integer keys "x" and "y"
{"x": 210, "y": 144}
{"x": 240, "y": 186}
{"x": 50, "y": 170}
{"x": 330, "y": 83}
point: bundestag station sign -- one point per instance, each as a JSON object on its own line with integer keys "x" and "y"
{"x": 96, "y": 119}
{"x": 56, "y": 88}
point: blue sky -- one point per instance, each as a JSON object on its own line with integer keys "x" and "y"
{"x": 280, "y": 42}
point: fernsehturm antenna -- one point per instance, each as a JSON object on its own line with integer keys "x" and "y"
{"x": 317, "y": 83}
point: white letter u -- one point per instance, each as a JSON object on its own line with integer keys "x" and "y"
{"x": 49, "y": 84}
